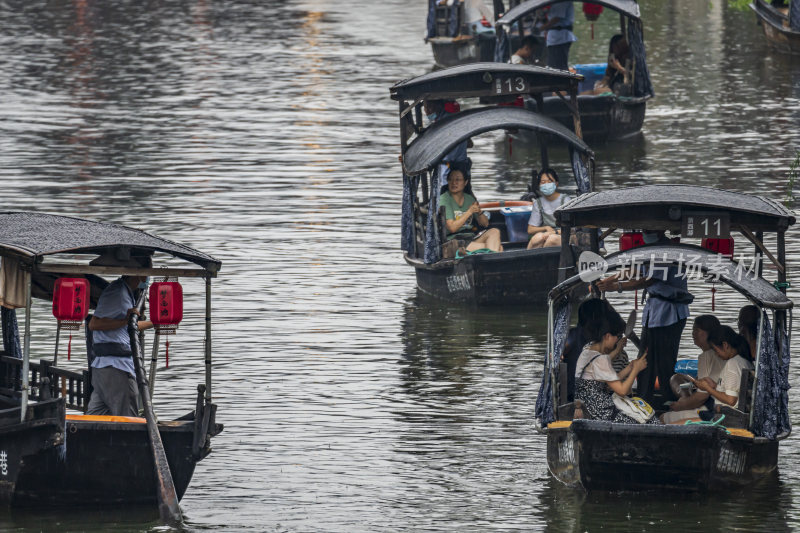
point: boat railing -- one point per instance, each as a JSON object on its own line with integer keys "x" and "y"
{"x": 46, "y": 382}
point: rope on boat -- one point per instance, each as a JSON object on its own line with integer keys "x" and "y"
{"x": 459, "y": 255}
{"x": 715, "y": 423}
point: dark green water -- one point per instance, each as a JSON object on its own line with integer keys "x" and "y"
{"x": 262, "y": 133}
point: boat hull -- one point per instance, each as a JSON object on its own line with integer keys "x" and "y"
{"x": 603, "y": 117}
{"x": 105, "y": 463}
{"x": 776, "y": 30}
{"x": 452, "y": 51}
{"x": 509, "y": 278}
{"x": 599, "y": 455}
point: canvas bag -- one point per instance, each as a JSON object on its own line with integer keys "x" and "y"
{"x": 635, "y": 408}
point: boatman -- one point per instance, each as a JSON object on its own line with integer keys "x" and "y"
{"x": 559, "y": 23}
{"x": 663, "y": 318}
{"x": 113, "y": 374}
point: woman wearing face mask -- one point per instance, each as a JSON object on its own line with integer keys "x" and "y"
{"x": 542, "y": 227}
{"x": 663, "y": 318}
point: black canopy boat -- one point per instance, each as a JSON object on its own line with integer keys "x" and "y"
{"x": 459, "y": 33}
{"x": 606, "y": 116}
{"x": 781, "y": 22}
{"x": 602, "y": 455}
{"x": 48, "y": 456}
{"x": 516, "y": 275}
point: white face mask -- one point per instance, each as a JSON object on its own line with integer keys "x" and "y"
{"x": 547, "y": 188}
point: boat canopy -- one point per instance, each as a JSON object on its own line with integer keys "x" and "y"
{"x": 688, "y": 257}
{"x": 629, "y": 8}
{"x": 29, "y": 236}
{"x": 661, "y": 207}
{"x": 427, "y": 150}
{"x": 484, "y": 79}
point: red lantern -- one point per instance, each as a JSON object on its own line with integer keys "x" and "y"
{"x": 166, "y": 309}
{"x": 70, "y": 302}
{"x": 721, "y": 246}
{"x": 592, "y": 11}
{"x": 166, "y": 306}
{"x": 70, "y": 306}
{"x": 630, "y": 239}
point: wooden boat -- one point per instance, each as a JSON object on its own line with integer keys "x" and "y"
{"x": 606, "y": 116}
{"x": 781, "y": 24}
{"x": 452, "y": 41}
{"x": 601, "y": 455}
{"x": 49, "y": 456}
{"x": 517, "y": 275}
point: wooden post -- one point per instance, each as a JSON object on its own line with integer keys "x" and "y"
{"x": 154, "y": 363}
{"x": 781, "y": 259}
{"x": 576, "y": 118}
{"x": 26, "y": 350}
{"x": 208, "y": 339}
{"x": 566, "y": 260}
{"x": 759, "y": 257}
{"x": 55, "y": 353}
{"x": 168, "y": 508}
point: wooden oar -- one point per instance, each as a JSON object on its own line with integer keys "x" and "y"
{"x": 168, "y": 508}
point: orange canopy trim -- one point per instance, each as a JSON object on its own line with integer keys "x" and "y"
{"x": 105, "y": 418}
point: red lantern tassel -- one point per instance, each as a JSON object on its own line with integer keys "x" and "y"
{"x": 166, "y": 355}
{"x": 636, "y": 300}
{"x": 510, "y": 140}
{"x": 69, "y": 347}
{"x": 713, "y": 291}
{"x": 592, "y": 25}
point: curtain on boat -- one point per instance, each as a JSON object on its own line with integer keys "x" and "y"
{"x": 433, "y": 242}
{"x": 545, "y": 410}
{"x": 431, "y": 18}
{"x": 641, "y": 83}
{"x": 407, "y": 241}
{"x": 771, "y": 409}
{"x": 580, "y": 168}
{"x": 452, "y": 19}
{"x": 794, "y": 15}
{"x": 10, "y": 332}
{"x": 502, "y": 52}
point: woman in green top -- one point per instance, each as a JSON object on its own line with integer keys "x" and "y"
{"x": 461, "y": 209}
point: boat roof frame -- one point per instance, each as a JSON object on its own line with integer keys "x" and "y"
{"x": 755, "y": 288}
{"x": 427, "y": 149}
{"x": 627, "y": 8}
{"x": 485, "y": 80}
{"x": 660, "y": 207}
{"x": 36, "y": 239}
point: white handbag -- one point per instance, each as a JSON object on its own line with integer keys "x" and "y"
{"x": 635, "y": 408}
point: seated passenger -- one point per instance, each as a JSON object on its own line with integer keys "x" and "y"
{"x": 595, "y": 379}
{"x": 542, "y": 224}
{"x": 709, "y": 365}
{"x": 732, "y": 348}
{"x": 589, "y": 310}
{"x": 462, "y": 209}
{"x": 616, "y": 74}
{"x": 748, "y": 327}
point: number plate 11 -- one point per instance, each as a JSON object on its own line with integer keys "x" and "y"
{"x": 701, "y": 225}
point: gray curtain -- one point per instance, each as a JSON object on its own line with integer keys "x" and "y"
{"x": 11, "y": 343}
{"x": 641, "y": 84}
{"x": 580, "y": 168}
{"x": 545, "y": 410}
{"x": 771, "y": 409}
{"x": 502, "y": 52}
{"x": 794, "y": 15}
{"x": 431, "y": 19}
{"x": 433, "y": 243}
{"x": 407, "y": 241}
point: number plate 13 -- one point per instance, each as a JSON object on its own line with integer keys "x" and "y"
{"x": 514, "y": 85}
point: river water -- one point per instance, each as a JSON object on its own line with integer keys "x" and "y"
{"x": 262, "y": 133}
